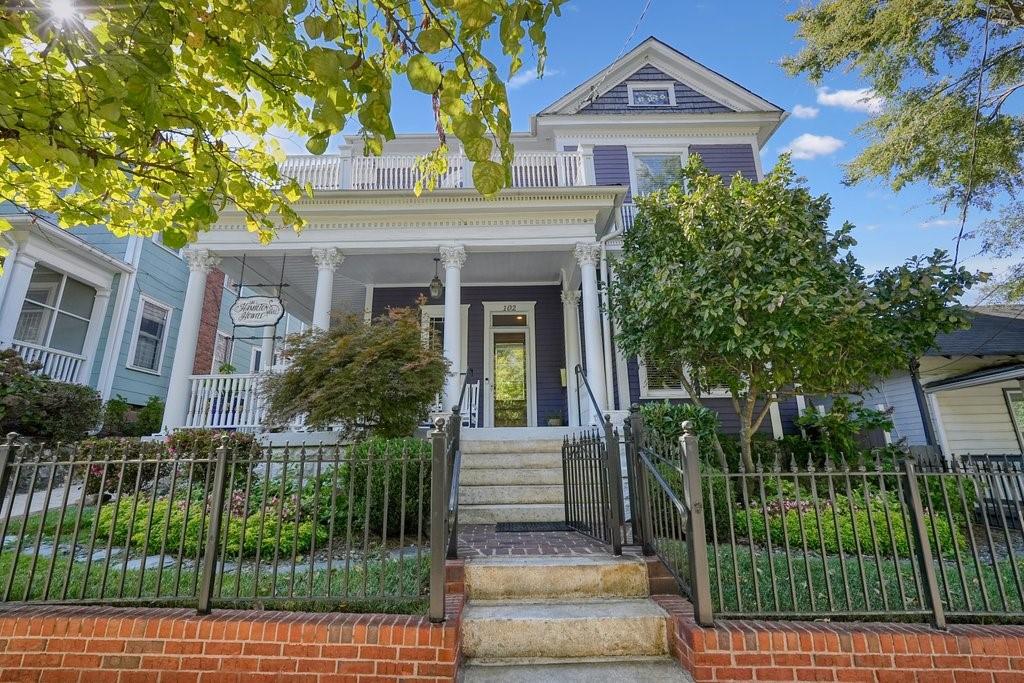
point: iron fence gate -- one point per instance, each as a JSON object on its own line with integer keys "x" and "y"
{"x": 591, "y": 481}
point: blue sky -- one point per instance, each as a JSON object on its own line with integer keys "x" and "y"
{"x": 744, "y": 40}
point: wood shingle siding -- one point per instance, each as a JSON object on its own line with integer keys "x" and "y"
{"x": 688, "y": 100}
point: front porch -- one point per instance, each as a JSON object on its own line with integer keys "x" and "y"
{"x": 520, "y": 306}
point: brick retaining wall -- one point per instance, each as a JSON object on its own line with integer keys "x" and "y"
{"x": 160, "y": 645}
{"x": 836, "y": 651}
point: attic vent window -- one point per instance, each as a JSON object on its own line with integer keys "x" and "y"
{"x": 651, "y": 94}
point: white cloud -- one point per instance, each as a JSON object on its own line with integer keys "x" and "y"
{"x": 809, "y": 146}
{"x": 529, "y": 76}
{"x": 803, "y": 112}
{"x": 863, "y": 100}
{"x": 938, "y": 223}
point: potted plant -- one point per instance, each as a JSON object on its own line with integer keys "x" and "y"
{"x": 556, "y": 420}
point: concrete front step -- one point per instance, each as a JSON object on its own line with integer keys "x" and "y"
{"x": 521, "y": 476}
{"x": 599, "y": 628}
{"x": 495, "y": 514}
{"x": 510, "y": 495}
{"x": 511, "y": 446}
{"x": 653, "y": 669}
{"x": 511, "y": 461}
{"x": 556, "y": 577}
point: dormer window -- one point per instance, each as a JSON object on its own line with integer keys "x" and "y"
{"x": 651, "y": 94}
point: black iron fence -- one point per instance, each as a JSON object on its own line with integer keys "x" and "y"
{"x": 226, "y": 523}
{"x": 878, "y": 539}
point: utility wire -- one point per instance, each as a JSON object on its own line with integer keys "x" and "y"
{"x": 596, "y": 87}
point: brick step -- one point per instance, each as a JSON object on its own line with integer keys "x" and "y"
{"x": 556, "y": 577}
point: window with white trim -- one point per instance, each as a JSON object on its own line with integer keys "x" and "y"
{"x": 150, "y": 337}
{"x": 656, "y": 171}
{"x": 665, "y": 382}
{"x": 158, "y": 238}
{"x": 221, "y": 351}
{"x": 651, "y": 94}
{"x": 56, "y": 311}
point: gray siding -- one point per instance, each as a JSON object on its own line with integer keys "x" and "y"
{"x": 725, "y": 160}
{"x": 611, "y": 166}
{"x": 98, "y": 237}
{"x": 550, "y": 333}
{"x": 688, "y": 100}
{"x": 727, "y": 417}
{"x": 897, "y": 392}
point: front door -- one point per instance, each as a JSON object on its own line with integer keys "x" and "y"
{"x": 510, "y": 364}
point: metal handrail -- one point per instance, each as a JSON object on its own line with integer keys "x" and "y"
{"x": 455, "y": 460}
{"x": 593, "y": 399}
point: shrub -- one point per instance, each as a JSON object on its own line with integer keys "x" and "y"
{"x": 838, "y": 524}
{"x": 121, "y": 418}
{"x": 119, "y": 477}
{"x": 40, "y": 408}
{"x": 388, "y": 460}
{"x": 835, "y": 433}
{"x": 663, "y": 424}
{"x": 376, "y": 378}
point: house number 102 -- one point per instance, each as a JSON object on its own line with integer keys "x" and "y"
{"x": 510, "y": 308}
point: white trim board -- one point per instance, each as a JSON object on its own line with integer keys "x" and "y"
{"x": 526, "y": 308}
{"x": 428, "y": 311}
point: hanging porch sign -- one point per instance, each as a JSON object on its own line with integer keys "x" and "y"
{"x": 256, "y": 311}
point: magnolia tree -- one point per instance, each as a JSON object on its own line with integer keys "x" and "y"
{"x": 376, "y": 378}
{"x": 152, "y": 115}
{"x": 741, "y": 284}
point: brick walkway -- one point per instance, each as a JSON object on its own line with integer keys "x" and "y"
{"x": 481, "y": 540}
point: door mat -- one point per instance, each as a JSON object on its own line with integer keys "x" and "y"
{"x": 529, "y": 527}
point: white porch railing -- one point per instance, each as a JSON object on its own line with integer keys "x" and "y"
{"x": 399, "y": 171}
{"x": 323, "y": 172}
{"x": 628, "y": 216}
{"x": 59, "y": 365}
{"x": 225, "y": 402}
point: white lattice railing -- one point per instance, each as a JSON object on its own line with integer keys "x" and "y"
{"x": 59, "y": 365}
{"x": 322, "y": 172}
{"x": 226, "y": 402}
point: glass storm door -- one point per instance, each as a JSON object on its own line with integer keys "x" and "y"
{"x": 510, "y": 392}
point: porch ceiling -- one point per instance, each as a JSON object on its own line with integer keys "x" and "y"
{"x": 264, "y": 269}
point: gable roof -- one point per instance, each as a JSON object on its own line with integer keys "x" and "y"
{"x": 673, "y": 63}
{"x": 994, "y": 331}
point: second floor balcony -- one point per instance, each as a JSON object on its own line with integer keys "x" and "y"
{"x": 400, "y": 171}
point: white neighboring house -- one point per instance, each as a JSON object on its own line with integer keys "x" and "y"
{"x": 967, "y": 396}
{"x": 54, "y": 299}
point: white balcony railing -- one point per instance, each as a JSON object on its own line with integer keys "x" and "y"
{"x": 399, "y": 171}
{"x": 59, "y": 365}
{"x": 628, "y": 214}
{"x": 225, "y": 402}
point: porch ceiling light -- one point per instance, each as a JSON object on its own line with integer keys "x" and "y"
{"x": 436, "y": 287}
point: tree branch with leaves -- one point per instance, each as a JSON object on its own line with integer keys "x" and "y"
{"x": 741, "y": 284}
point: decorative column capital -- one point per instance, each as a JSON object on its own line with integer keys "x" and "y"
{"x": 453, "y": 256}
{"x": 570, "y": 298}
{"x": 588, "y": 253}
{"x": 200, "y": 260}
{"x": 327, "y": 259}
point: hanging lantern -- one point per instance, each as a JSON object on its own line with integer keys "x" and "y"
{"x": 436, "y": 287}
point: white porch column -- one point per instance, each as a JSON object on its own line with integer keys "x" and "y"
{"x": 18, "y": 273}
{"x": 267, "y": 348}
{"x": 587, "y": 255}
{"x": 571, "y": 317}
{"x": 92, "y": 335}
{"x": 326, "y": 261}
{"x": 453, "y": 258}
{"x": 200, "y": 262}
